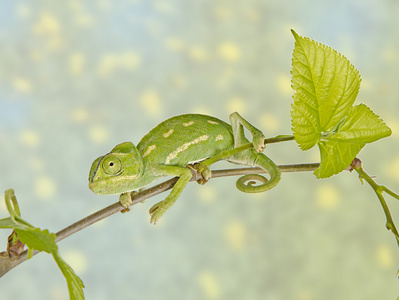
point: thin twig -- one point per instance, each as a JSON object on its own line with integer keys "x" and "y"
{"x": 378, "y": 189}
{"x": 6, "y": 264}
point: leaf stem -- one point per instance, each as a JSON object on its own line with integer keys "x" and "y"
{"x": 279, "y": 138}
{"x": 379, "y": 189}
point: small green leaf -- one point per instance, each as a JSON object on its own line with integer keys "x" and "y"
{"x": 325, "y": 87}
{"x": 335, "y": 157}
{"x": 41, "y": 240}
{"x": 75, "y": 284}
{"x": 7, "y": 223}
{"x": 361, "y": 125}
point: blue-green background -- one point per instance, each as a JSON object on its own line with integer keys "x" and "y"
{"x": 78, "y": 77}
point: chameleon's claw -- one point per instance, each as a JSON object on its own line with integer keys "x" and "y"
{"x": 126, "y": 200}
{"x": 259, "y": 142}
{"x": 157, "y": 211}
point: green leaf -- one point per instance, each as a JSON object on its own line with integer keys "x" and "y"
{"x": 75, "y": 284}
{"x": 361, "y": 125}
{"x": 335, "y": 157}
{"x": 337, "y": 151}
{"x": 7, "y": 223}
{"x": 326, "y": 86}
{"x": 41, "y": 240}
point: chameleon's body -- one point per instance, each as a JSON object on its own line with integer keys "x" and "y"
{"x": 167, "y": 150}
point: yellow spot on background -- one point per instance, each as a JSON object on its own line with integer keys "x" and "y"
{"x": 235, "y": 233}
{"x": 284, "y": 86}
{"x": 180, "y": 81}
{"x": 59, "y": 292}
{"x": 44, "y": 187}
{"x": 75, "y": 5}
{"x": 36, "y": 164}
{"x": 394, "y": 125}
{"x": 269, "y": 122}
{"x": 98, "y": 134}
{"x": 384, "y": 256}
{"x": 222, "y": 12}
{"x": 229, "y": 51}
{"x": 327, "y": 196}
{"x": 29, "y": 138}
{"x": 76, "y": 259}
{"x": 236, "y": 104}
{"x": 305, "y": 295}
{"x": 47, "y": 24}
{"x": 22, "y": 84}
{"x": 174, "y": 44}
{"x": 107, "y": 64}
{"x": 392, "y": 168}
{"x": 209, "y": 285}
{"x": 76, "y": 63}
{"x": 110, "y": 63}
{"x": 3, "y": 208}
{"x": 151, "y": 103}
{"x": 198, "y": 54}
{"x": 130, "y": 60}
{"x": 253, "y": 15}
{"x": 84, "y": 19}
{"x": 390, "y": 55}
{"x": 79, "y": 115}
{"x": 207, "y": 194}
{"x": 106, "y": 4}
{"x": 163, "y": 7}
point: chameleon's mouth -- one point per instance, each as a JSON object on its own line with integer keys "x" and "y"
{"x": 110, "y": 186}
{"x": 98, "y": 188}
{"x": 102, "y": 189}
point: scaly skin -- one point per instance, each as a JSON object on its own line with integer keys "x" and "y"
{"x": 167, "y": 150}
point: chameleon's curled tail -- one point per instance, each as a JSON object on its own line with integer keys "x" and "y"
{"x": 247, "y": 183}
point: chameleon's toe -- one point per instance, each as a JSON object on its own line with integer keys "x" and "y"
{"x": 157, "y": 211}
{"x": 259, "y": 142}
{"x": 205, "y": 172}
{"x": 200, "y": 172}
{"x": 126, "y": 200}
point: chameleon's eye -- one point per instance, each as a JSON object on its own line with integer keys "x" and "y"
{"x": 112, "y": 165}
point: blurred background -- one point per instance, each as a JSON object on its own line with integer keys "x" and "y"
{"x": 79, "y": 77}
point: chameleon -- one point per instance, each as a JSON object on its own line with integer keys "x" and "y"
{"x": 168, "y": 150}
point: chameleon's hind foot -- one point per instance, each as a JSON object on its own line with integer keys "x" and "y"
{"x": 158, "y": 210}
{"x": 201, "y": 172}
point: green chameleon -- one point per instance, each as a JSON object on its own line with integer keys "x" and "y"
{"x": 170, "y": 147}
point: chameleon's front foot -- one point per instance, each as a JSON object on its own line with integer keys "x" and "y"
{"x": 259, "y": 142}
{"x": 158, "y": 210}
{"x": 126, "y": 200}
{"x": 202, "y": 172}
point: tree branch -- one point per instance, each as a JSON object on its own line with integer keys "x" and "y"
{"x": 6, "y": 264}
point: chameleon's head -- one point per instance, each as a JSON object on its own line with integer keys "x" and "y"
{"x": 115, "y": 172}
